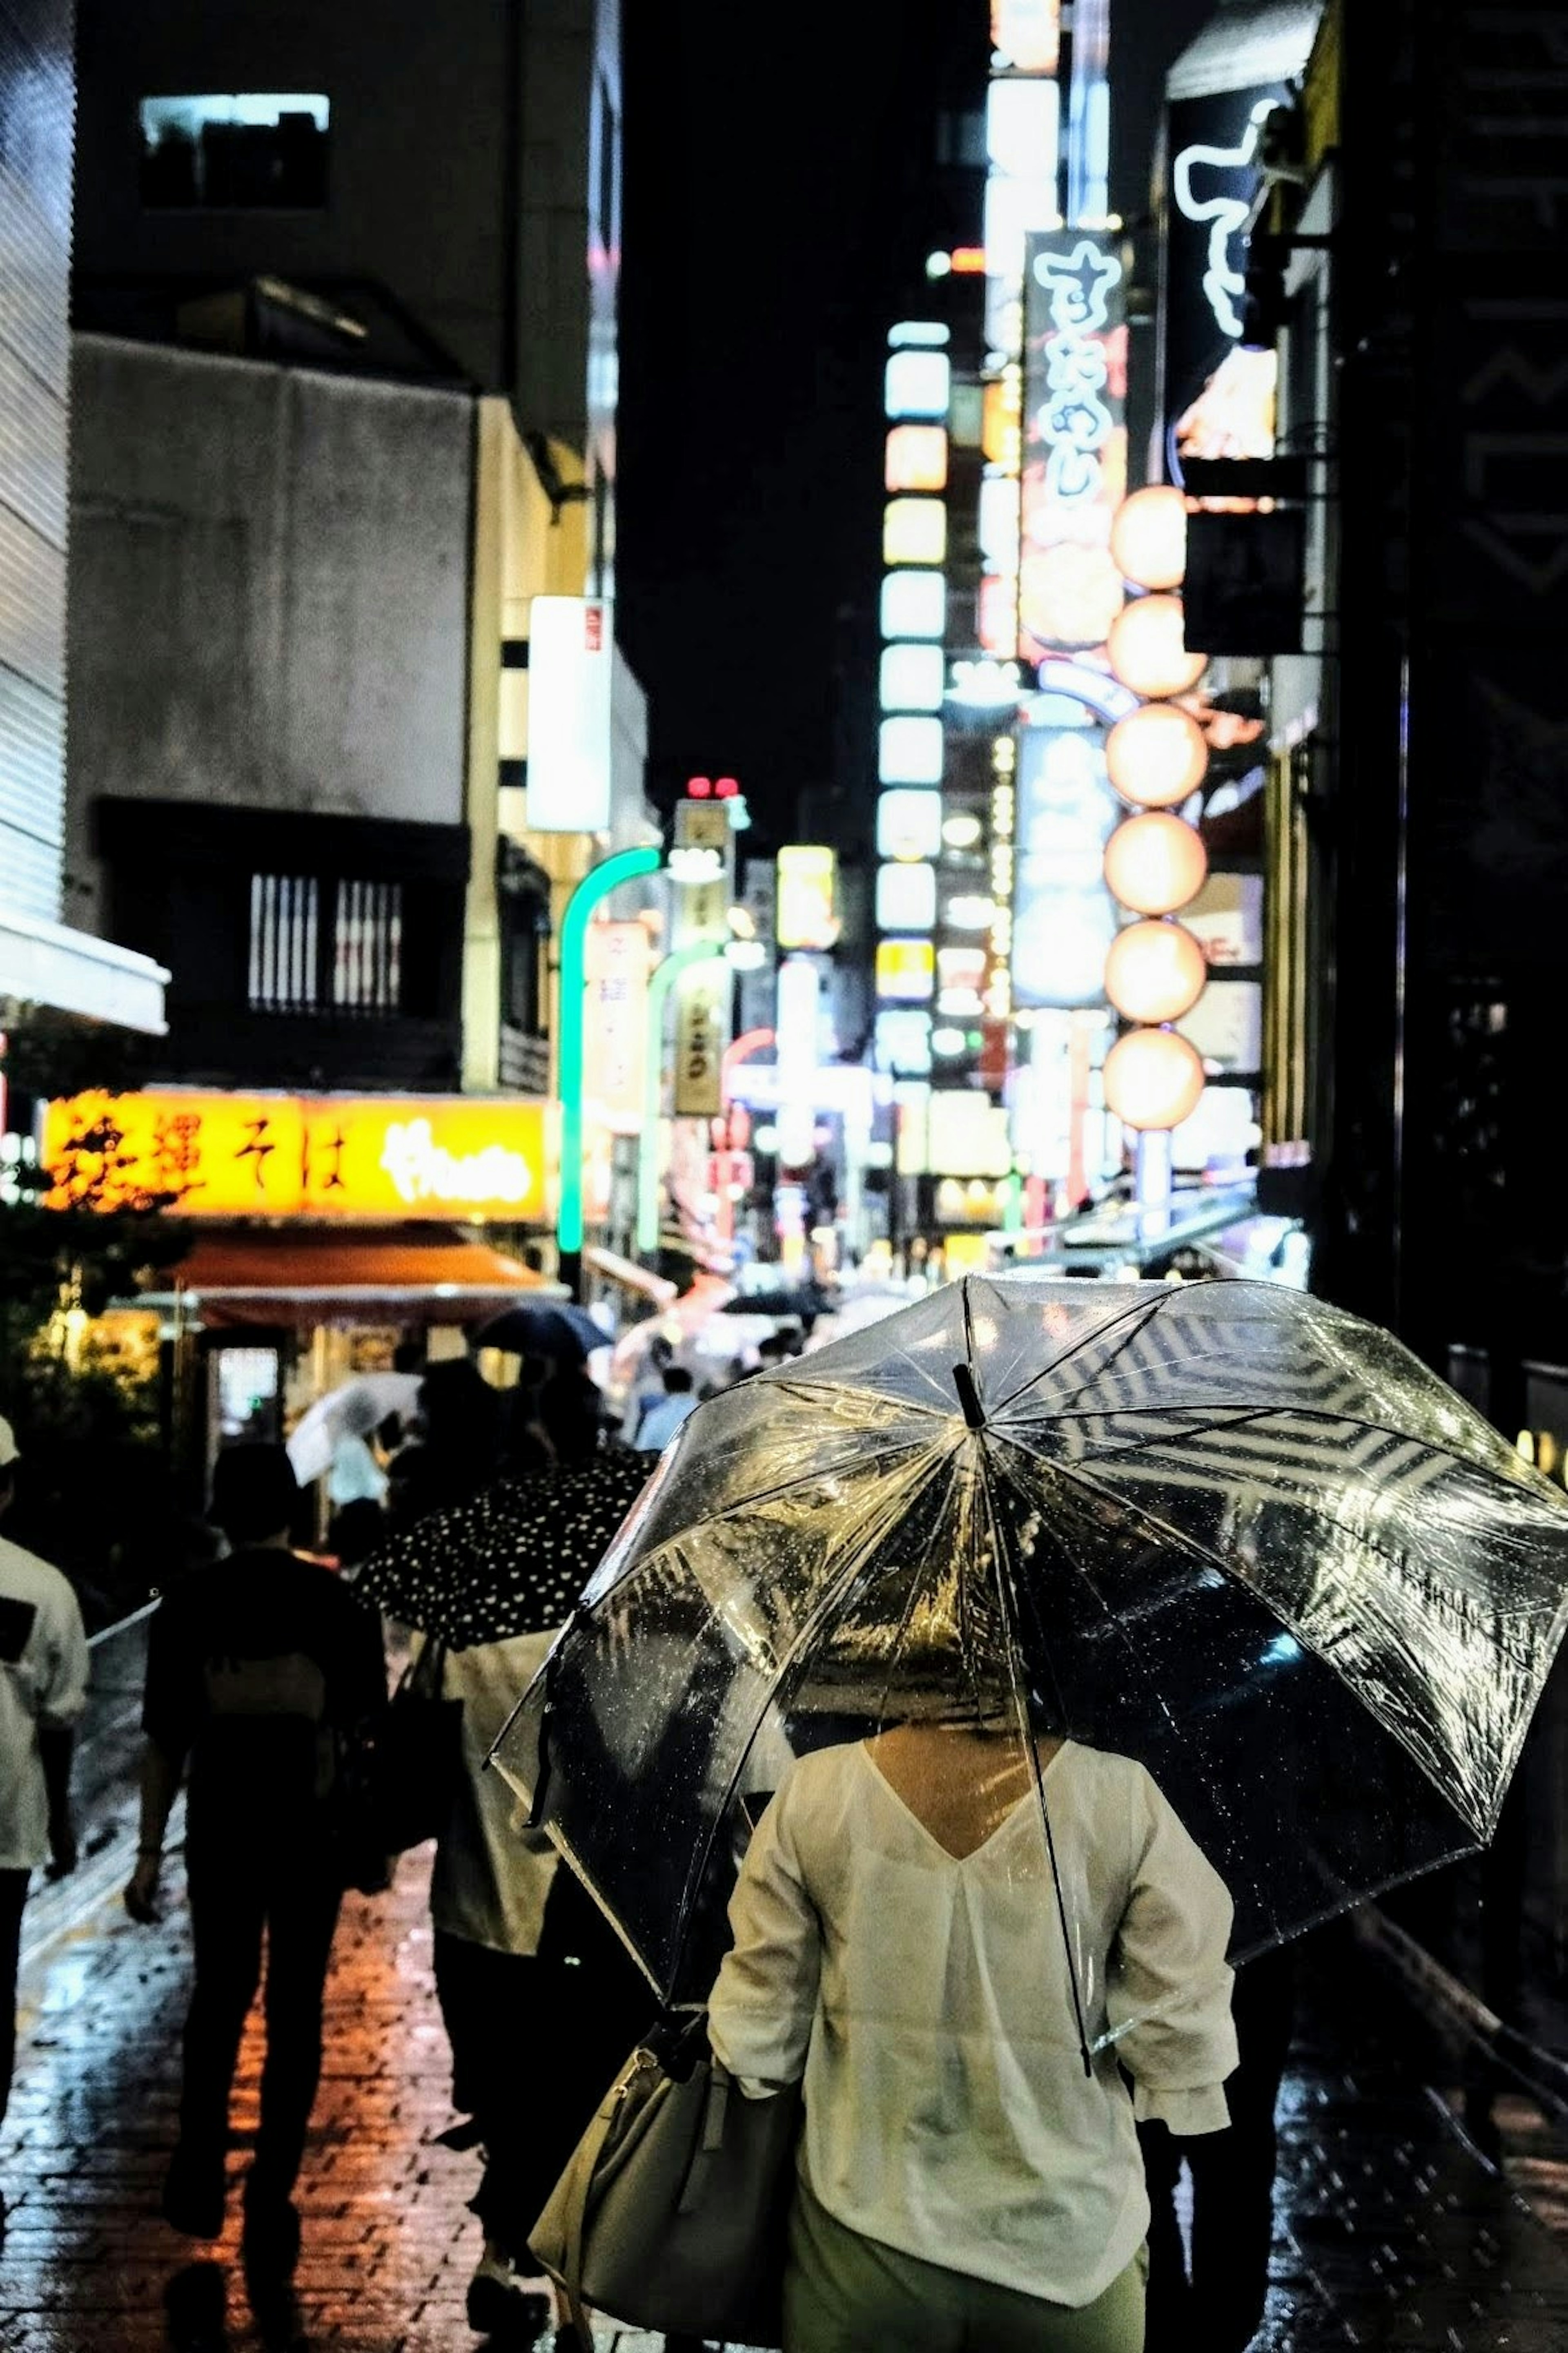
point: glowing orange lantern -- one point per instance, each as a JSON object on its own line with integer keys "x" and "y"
{"x": 1153, "y": 1078}
{"x": 1156, "y": 863}
{"x": 1147, "y": 651}
{"x": 1155, "y": 971}
{"x": 1149, "y": 537}
{"x": 1156, "y": 755}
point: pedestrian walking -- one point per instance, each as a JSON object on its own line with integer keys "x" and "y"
{"x": 456, "y": 1449}
{"x": 1214, "y": 2295}
{"x": 43, "y": 1690}
{"x": 257, "y": 1667}
{"x": 539, "y": 2002}
{"x": 964, "y": 2175}
{"x": 648, "y": 1389}
{"x": 660, "y": 1421}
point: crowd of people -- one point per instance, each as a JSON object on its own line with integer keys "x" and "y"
{"x": 1027, "y": 2212}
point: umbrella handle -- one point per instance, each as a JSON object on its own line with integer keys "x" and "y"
{"x": 968, "y": 1398}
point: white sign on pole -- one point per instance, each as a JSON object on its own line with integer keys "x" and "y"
{"x": 569, "y": 661}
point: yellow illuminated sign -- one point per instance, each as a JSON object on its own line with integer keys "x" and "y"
{"x": 806, "y": 914}
{"x": 234, "y": 1155}
{"x": 905, "y": 971}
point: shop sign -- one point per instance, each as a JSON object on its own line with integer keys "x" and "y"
{"x": 614, "y": 1031}
{"x": 1219, "y": 399}
{"x": 571, "y": 661}
{"x": 807, "y": 914}
{"x": 264, "y": 1155}
{"x": 700, "y": 1038}
{"x": 1075, "y": 438}
{"x": 1064, "y": 918}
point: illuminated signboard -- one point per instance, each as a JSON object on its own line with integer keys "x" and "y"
{"x": 966, "y": 1134}
{"x": 1064, "y": 918}
{"x": 1074, "y": 440}
{"x": 570, "y": 661}
{"x": 910, "y": 752}
{"x": 912, "y": 677}
{"x": 232, "y": 1155}
{"x": 1219, "y": 399}
{"x": 916, "y": 384}
{"x": 905, "y": 971}
{"x": 1027, "y": 34}
{"x": 903, "y": 1043}
{"x": 906, "y": 898}
{"x": 916, "y": 458}
{"x": 914, "y": 605}
{"x": 914, "y": 531}
{"x": 909, "y": 825}
{"x": 806, "y": 916}
{"x": 614, "y": 1025}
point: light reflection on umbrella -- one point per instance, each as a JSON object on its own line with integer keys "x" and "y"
{"x": 1223, "y": 1529}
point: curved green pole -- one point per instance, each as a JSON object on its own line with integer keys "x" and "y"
{"x": 664, "y": 975}
{"x": 625, "y": 867}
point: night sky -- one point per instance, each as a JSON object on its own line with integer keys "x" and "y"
{"x": 776, "y": 219}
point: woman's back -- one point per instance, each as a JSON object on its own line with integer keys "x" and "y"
{"x": 899, "y": 1941}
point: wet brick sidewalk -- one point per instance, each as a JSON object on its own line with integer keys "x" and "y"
{"x": 1393, "y": 2234}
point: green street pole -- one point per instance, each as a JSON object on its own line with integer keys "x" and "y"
{"x": 664, "y": 976}
{"x": 625, "y": 867}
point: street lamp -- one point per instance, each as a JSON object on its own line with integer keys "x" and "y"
{"x": 665, "y": 973}
{"x": 625, "y": 867}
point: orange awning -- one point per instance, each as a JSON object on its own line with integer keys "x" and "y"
{"x": 313, "y": 1277}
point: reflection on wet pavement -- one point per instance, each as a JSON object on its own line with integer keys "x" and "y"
{"x": 1393, "y": 2232}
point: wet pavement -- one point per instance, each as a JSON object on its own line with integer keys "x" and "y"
{"x": 1393, "y": 2231}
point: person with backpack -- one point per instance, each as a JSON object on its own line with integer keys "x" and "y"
{"x": 258, "y": 1667}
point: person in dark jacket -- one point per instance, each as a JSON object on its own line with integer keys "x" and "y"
{"x": 255, "y": 1667}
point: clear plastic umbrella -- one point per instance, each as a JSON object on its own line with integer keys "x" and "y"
{"x": 1224, "y": 1531}
{"x": 354, "y": 1410}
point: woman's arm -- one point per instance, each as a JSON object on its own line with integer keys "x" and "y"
{"x": 1170, "y": 1988}
{"x": 762, "y": 2008}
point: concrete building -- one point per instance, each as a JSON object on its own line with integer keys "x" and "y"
{"x": 46, "y": 960}
{"x": 346, "y": 371}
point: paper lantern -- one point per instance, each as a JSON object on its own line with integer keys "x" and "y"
{"x": 1147, "y": 649}
{"x": 1155, "y": 971}
{"x": 1149, "y": 537}
{"x": 1156, "y": 863}
{"x": 1156, "y": 755}
{"x": 1153, "y": 1078}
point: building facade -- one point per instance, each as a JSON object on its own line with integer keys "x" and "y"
{"x": 45, "y": 958}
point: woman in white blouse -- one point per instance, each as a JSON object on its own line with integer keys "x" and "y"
{"x": 968, "y": 2179}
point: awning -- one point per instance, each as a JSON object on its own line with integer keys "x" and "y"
{"x": 306, "y": 1276}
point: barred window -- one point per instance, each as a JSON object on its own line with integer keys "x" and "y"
{"x": 367, "y": 947}
{"x": 317, "y": 944}
{"x": 285, "y": 930}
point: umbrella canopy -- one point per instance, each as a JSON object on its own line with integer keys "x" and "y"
{"x": 361, "y": 1406}
{"x": 514, "y": 1560}
{"x": 543, "y": 1327}
{"x": 1223, "y": 1529}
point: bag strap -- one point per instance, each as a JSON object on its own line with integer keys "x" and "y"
{"x": 577, "y": 2183}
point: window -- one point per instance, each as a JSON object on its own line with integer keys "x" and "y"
{"x": 232, "y": 149}
{"x": 316, "y": 943}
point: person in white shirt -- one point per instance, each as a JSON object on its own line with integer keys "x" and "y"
{"x": 967, "y": 2173}
{"x": 43, "y": 1690}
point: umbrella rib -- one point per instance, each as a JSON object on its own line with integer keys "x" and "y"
{"x": 1241, "y": 1414}
{"x": 1185, "y": 1543}
{"x": 1144, "y": 1315}
{"x": 809, "y": 1632}
{"x": 1008, "y": 1599}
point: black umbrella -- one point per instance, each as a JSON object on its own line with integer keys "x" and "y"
{"x": 542, "y": 1327}
{"x": 510, "y": 1561}
{"x": 785, "y": 1299}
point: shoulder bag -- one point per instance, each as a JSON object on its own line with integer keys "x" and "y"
{"x": 672, "y": 2211}
{"x": 398, "y": 1772}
